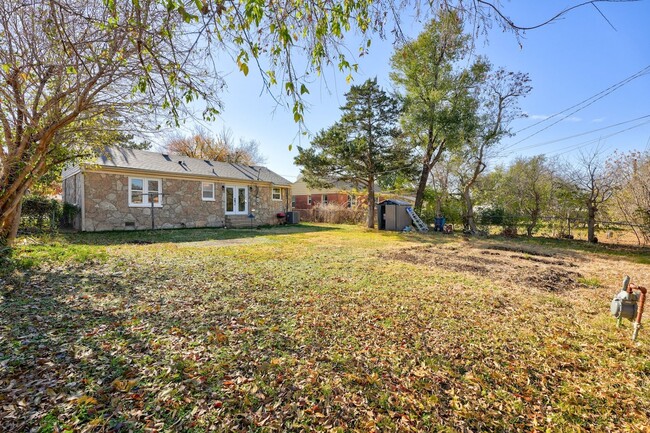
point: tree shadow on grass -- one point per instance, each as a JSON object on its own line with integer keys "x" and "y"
{"x": 48, "y": 335}
{"x": 127, "y": 347}
{"x": 80, "y": 349}
{"x": 188, "y": 235}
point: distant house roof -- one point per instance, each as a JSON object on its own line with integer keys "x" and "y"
{"x": 396, "y": 202}
{"x": 300, "y": 187}
{"x": 115, "y": 157}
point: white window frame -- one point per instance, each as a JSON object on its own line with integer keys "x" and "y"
{"x": 279, "y": 192}
{"x": 309, "y": 202}
{"x": 293, "y": 201}
{"x": 145, "y": 192}
{"x": 203, "y": 184}
{"x": 235, "y": 204}
{"x": 352, "y": 200}
{"x": 323, "y": 199}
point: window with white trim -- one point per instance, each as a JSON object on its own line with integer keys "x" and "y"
{"x": 293, "y": 201}
{"x": 276, "y": 194}
{"x": 309, "y": 200}
{"x": 143, "y": 192}
{"x": 352, "y": 200}
{"x": 324, "y": 199}
{"x": 207, "y": 191}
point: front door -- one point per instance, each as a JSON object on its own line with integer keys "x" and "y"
{"x": 236, "y": 200}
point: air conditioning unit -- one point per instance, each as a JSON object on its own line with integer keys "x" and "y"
{"x": 293, "y": 217}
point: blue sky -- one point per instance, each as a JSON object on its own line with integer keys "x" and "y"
{"x": 568, "y": 61}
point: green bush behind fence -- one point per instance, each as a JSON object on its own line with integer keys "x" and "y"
{"x": 44, "y": 213}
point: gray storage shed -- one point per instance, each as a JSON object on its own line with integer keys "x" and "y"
{"x": 391, "y": 215}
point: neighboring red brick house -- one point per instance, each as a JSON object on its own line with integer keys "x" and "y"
{"x": 344, "y": 194}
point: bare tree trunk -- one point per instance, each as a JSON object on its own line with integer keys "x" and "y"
{"x": 534, "y": 218}
{"x": 534, "y": 215}
{"x": 439, "y": 204}
{"x": 371, "y": 203}
{"x": 429, "y": 161}
{"x": 422, "y": 184}
{"x": 13, "y": 229}
{"x": 533, "y": 223}
{"x": 469, "y": 206}
{"x": 9, "y": 224}
{"x": 591, "y": 223}
{"x": 467, "y": 191}
{"x": 444, "y": 194}
{"x": 10, "y": 211}
{"x": 424, "y": 174}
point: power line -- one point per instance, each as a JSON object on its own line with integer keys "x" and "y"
{"x": 579, "y": 106}
{"x": 610, "y": 88}
{"x": 557, "y": 140}
{"x": 579, "y": 145}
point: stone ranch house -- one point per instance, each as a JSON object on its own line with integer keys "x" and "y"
{"x": 122, "y": 187}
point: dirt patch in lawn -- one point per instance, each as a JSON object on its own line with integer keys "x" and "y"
{"x": 225, "y": 242}
{"x": 504, "y": 264}
{"x": 520, "y": 249}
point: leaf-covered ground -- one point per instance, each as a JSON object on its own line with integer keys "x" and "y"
{"x": 317, "y": 328}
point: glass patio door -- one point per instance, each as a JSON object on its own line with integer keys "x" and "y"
{"x": 236, "y": 200}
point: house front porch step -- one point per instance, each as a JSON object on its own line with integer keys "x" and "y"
{"x": 237, "y": 221}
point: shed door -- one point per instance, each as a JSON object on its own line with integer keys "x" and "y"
{"x": 382, "y": 217}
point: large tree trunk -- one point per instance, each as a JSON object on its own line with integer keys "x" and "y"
{"x": 442, "y": 197}
{"x": 534, "y": 217}
{"x": 469, "y": 206}
{"x": 591, "y": 224}
{"x": 9, "y": 224}
{"x": 422, "y": 184}
{"x": 10, "y": 210}
{"x": 371, "y": 203}
{"x": 431, "y": 157}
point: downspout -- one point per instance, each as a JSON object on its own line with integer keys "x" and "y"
{"x": 286, "y": 199}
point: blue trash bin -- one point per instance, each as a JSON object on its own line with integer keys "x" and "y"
{"x": 439, "y": 224}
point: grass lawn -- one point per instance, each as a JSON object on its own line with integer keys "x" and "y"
{"x": 317, "y": 327}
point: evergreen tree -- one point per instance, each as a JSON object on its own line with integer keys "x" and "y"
{"x": 362, "y": 147}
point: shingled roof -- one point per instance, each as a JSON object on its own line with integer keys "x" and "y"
{"x": 115, "y": 157}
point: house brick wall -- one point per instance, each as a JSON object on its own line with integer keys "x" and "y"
{"x": 302, "y": 200}
{"x": 264, "y": 207}
{"x": 107, "y": 205}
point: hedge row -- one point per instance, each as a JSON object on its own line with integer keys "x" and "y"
{"x": 42, "y": 213}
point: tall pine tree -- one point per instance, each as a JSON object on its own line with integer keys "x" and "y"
{"x": 361, "y": 147}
